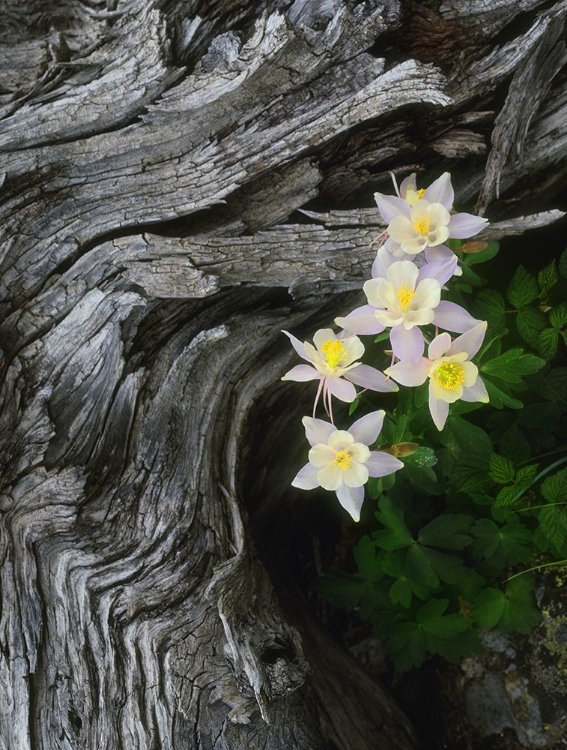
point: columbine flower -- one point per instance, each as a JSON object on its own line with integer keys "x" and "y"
{"x": 403, "y": 296}
{"x": 451, "y": 375}
{"x": 419, "y": 219}
{"x": 333, "y": 359}
{"x": 340, "y": 460}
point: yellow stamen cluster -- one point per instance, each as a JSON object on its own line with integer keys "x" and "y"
{"x": 450, "y": 375}
{"x": 343, "y": 460}
{"x": 333, "y": 352}
{"x": 421, "y": 225}
{"x": 420, "y": 193}
{"x": 405, "y": 297}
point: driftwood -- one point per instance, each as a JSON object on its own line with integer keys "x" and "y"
{"x": 154, "y": 160}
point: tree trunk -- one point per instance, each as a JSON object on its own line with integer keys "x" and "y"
{"x": 155, "y": 158}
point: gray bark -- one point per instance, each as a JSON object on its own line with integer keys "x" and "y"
{"x": 152, "y": 157}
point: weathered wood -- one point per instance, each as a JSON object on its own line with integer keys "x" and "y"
{"x": 179, "y": 181}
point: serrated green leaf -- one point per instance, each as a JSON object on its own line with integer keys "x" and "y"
{"x": 449, "y": 531}
{"x": 514, "y": 444}
{"x": 554, "y": 488}
{"x": 490, "y": 305}
{"x": 525, "y": 476}
{"x": 396, "y": 535}
{"x": 558, "y": 316}
{"x": 501, "y": 469}
{"x": 553, "y": 385}
{"x": 506, "y": 496}
{"x": 489, "y": 607}
{"x": 513, "y": 365}
{"x": 530, "y": 323}
{"x": 548, "y": 343}
{"x": 523, "y": 288}
{"x": 547, "y": 278}
{"x": 553, "y": 523}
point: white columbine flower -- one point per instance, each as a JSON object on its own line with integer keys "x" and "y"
{"x": 402, "y": 296}
{"x": 419, "y": 219}
{"x": 341, "y": 461}
{"x": 333, "y": 363}
{"x": 451, "y": 375}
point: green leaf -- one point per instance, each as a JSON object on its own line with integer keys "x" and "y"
{"x": 396, "y": 535}
{"x": 487, "y": 253}
{"x": 553, "y": 523}
{"x": 554, "y": 488}
{"x": 523, "y": 288}
{"x": 548, "y": 343}
{"x": 423, "y": 457}
{"x": 407, "y": 646}
{"x": 501, "y": 469}
{"x": 514, "y": 444}
{"x": 354, "y": 406}
{"x": 558, "y": 316}
{"x": 499, "y": 398}
{"x": 455, "y": 648}
{"x": 400, "y": 593}
{"x": 489, "y": 607}
{"x": 506, "y": 496}
{"x": 420, "y": 568}
{"x": 343, "y": 590}
{"x": 521, "y": 613}
{"x": 501, "y": 546}
{"x": 490, "y": 305}
{"x": 367, "y": 559}
{"x": 563, "y": 264}
{"x": 547, "y": 278}
{"x": 554, "y": 385}
{"x": 530, "y": 323}
{"x": 513, "y": 365}
{"x": 449, "y": 531}
{"x": 526, "y": 476}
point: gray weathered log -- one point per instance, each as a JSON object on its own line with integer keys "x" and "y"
{"x": 155, "y": 157}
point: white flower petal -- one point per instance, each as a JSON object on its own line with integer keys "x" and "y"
{"x": 470, "y": 341}
{"x": 368, "y": 377}
{"x": 340, "y": 440}
{"x": 306, "y": 478}
{"x": 366, "y": 429}
{"x": 439, "y": 346}
{"x": 321, "y": 455}
{"x": 359, "y": 452}
{"x": 351, "y": 498}
{"x": 302, "y": 373}
{"x": 382, "y": 262}
{"x": 356, "y": 475}
{"x": 354, "y": 350}
{"x": 438, "y": 236}
{"x": 427, "y": 294}
{"x": 329, "y": 477}
{"x": 407, "y": 344}
{"x": 453, "y": 317}
{"x": 471, "y": 374}
{"x": 402, "y": 273}
{"x": 462, "y": 226}
{"x": 381, "y": 464}
{"x": 439, "y": 411}
{"x": 409, "y": 373}
{"x": 441, "y": 191}
{"x": 476, "y": 392}
{"x": 317, "y": 430}
{"x": 297, "y": 345}
{"x": 361, "y": 321}
{"x": 341, "y": 389}
{"x": 324, "y": 334}
{"x": 390, "y": 206}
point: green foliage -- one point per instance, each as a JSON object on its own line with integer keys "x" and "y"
{"x": 481, "y": 500}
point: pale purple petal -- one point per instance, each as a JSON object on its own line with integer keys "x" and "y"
{"x": 317, "y": 430}
{"x": 366, "y": 429}
{"x": 351, "y": 498}
{"x": 380, "y": 464}
{"x": 440, "y": 270}
{"x": 439, "y": 410}
{"x": 439, "y": 346}
{"x": 297, "y": 345}
{"x": 476, "y": 392}
{"x": 306, "y": 478}
{"x": 302, "y": 373}
{"x": 407, "y": 182}
{"x": 368, "y": 377}
{"x": 453, "y": 317}
{"x": 391, "y": 206}
{"x": 441, "y": 191}
{"x": 469, "y": 342}
{"x": 341, "y": 389}
{"x": 462, "y": 226}
{"x": 407, "y": 345}
{"x": 382, "y": 262}
{"x": 361, "y": 321}
{"x": 410, "y": 373}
